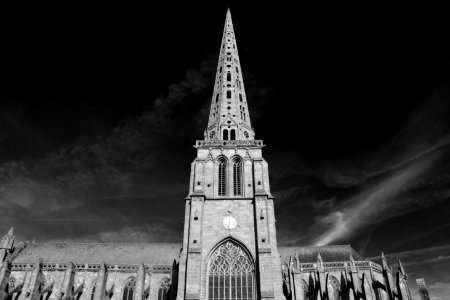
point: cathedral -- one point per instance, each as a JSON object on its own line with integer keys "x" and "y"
{"x": 229, "y": 248}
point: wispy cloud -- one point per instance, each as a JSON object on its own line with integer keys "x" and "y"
{"x": 372, "y": 203}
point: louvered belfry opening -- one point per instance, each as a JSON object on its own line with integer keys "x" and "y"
{"x": 230, "y": 274}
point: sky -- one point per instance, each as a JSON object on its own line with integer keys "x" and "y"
{"x": 100, "y": 107}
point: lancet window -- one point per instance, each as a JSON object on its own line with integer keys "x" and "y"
{"x": 222, "y": 187}
{"x": 333, "y": 288}
{"x": 163, "y": 291}
{"x": 232, "y": 134}
{"x": 237, "y": 176}
{"x": 230, "y": 274}
{"x": 128, "y": 290}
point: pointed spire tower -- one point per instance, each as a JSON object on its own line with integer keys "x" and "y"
{"x": 229, "y": 117}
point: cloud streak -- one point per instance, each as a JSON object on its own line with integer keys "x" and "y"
{"x": 372, "y": 203}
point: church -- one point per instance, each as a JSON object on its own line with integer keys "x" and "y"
{"x": 229, "y": 248}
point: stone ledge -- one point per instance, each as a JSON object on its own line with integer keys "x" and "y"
{"x": 231, "y": 143}
{"x": 267, "y": 294}
{"x": 195, "y": 250}
{"x": 264, "y": 250}
{"x": 192, "y": 296}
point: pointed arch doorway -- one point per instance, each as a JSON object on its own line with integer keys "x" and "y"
{"x": 231, "y": 273}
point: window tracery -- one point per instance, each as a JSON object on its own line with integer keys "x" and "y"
{"x": 333, "y": 288}
{"x": 129, "y": 289}
{"x": 237, "y": 176}
{"x": 230, "y": 274}
{"x": 163, "y": 291}
{"x": 222, "y": 176}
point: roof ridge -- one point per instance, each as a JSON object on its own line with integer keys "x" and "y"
{"x": 102, "y": 243}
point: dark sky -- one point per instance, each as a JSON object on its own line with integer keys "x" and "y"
{"x": 100, "y": 107}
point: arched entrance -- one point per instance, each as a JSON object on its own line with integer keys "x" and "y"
{"x": 231, "y": 273}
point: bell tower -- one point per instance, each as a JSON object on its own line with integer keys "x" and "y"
{"x": 229, "y": 243}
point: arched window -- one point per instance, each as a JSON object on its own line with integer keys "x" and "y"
{"x": 225, "y": 134}
{"x": 333, "y": 288}
{"x": 217, "y": 97}
{"x": 10, "y": 286}
{"x": 368, "y": 290}
{"x": 163, "y": 291}
{"x": 128, "y": 290}
{"x": 232, "y": 134}
{"x": 230, "y": 274}
{"x": 222, "y": 187}
{"x": 93, "y": 290}
{"x": 229, "y": 94}
{"x": 305, "y": 290}
{"x": 237, "y": 176}
{"x": 228, "y": 76}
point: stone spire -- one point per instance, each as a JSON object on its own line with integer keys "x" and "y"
{"x": 229, "y": 118}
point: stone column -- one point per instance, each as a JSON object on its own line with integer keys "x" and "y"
{"x": 354, "y": 274}
{"x": 322, "y": 279}
{"x": 5, "y": 271}
{"x": 26, "y": 285}
{"x": 101, "y": 283}
{"x": 35, "y": 282}
{"x": 298, "y": 285}
{"x": 389, "y": 280}
{"x": 140, "y": 281}
{"x": 67, "y": 283}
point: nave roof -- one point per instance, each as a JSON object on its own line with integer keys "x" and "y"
{"x": 93, "y": 253}
{"x": 308, "y": 254}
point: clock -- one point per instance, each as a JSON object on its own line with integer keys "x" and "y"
{"x": 229, "y": 222}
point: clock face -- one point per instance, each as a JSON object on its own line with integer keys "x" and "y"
{"x": 229, "y": 222}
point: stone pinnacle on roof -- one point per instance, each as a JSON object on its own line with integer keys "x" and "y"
{"x": 229, "y": 117}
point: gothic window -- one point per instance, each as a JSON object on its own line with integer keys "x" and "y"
{"x": 368, "y": 290}
{"x": 225, "y": 135}
{"x": 163, "y": 291}
{"x": 10, "y": 287}
{"x": 229, "y": 94}
{"x": 45, "y": 292}
{"x": 333, "y": 288}
{"x": 222, "y": 189}
{"x": 305, "y": 290}
{"x": 220, "y": 71}
{"x": 240, "y": 97}
{"x": 237, "y": 176}
{"x": 217, "y": 97}
{"x": 232, "y": 134}
{"x": 230, "y": 274}
{"x": 93, "y": 290}
{"x": 129, "y": 289}
{"x": 228, "y": 76}
{"x": 237, "y": 70}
